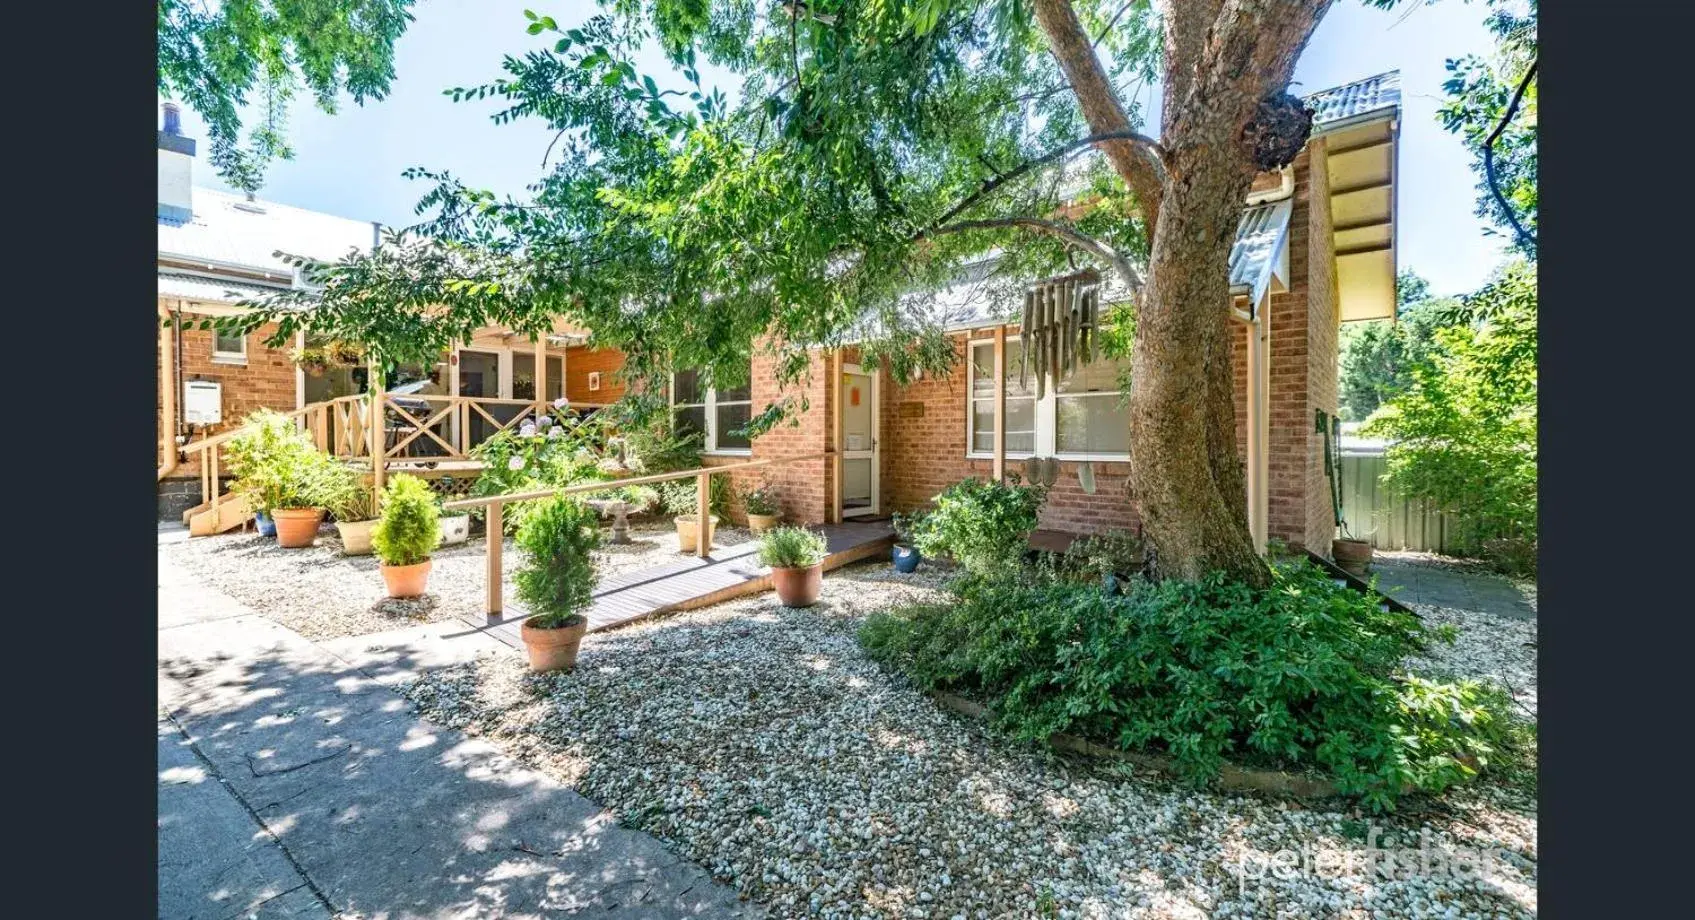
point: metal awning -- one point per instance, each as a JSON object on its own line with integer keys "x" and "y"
{"x": 1259, "y": 259}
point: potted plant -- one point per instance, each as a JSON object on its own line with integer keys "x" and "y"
{"x": 905, "y": 555}
{"x": 405, "y": 534}
{"x": 762, "y": 509}
{"x": 355, "y": 515}
{"x": 687, "y": 530}
{"x": 556, "y": 580}
{"x": 1353, "y": 555}
{"x": 253, "y": 456}
{"x": 796, "y": 558}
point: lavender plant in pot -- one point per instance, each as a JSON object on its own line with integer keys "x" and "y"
{"x": 556, "y": 581}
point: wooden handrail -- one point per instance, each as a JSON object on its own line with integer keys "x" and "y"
{"x": 494, "y": 538}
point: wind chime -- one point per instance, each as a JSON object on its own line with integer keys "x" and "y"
{"x": 1061, "y": 327}
{"x": 1060, "y": 332}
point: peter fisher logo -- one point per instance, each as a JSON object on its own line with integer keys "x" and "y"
{"x": 1379, "y": 860}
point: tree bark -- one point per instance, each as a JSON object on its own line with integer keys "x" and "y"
{"x": 1222, "y": 60}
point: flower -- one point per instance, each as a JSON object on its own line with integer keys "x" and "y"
{"x": 554, "y": 434}
{"x": 561, "y": 403}
{"x": 527, "y": 430}
{"x": 515, "y": 462}
{"x": 544, "y": 422}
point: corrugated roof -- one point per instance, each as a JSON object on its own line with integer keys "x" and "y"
{"x": 229, "y": 230}
{"x": 1257, "y": 254}
{"x": 1352, "y": 100}
{"x": 207, "y": 290}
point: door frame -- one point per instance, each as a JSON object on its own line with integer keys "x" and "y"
{"x": 875, "y": 454}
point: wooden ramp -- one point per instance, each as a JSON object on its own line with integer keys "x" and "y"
{"x": 690, "y": 581}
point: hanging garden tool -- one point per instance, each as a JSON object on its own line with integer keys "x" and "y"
{"x": 1060, "y": 329}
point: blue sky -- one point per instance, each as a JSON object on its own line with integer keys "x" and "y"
{"x": 350, "y": 163}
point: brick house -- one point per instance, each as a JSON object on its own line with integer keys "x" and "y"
{"x": 1315, "y": 248}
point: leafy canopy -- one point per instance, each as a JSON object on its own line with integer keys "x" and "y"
{"x": 1479, "y": 92}
{"x": 873, "y": 151}
{"x": 214, "y": 55}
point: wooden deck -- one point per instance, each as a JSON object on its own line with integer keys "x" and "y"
{"x": 691, "y": 581}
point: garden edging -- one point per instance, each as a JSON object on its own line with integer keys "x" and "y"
{"x": 1231, "y": 778}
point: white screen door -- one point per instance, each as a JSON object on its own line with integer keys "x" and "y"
{"x": 859, "y": 441}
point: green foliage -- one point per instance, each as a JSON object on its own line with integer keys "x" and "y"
{"x": 1378, "y": 356}
{"x": 1116, "y": 552}
{"x": 985, "y": 526}
{"x": 1478, "y": 92}
{"x": 349, "y": 497}
{"x": 552, "y": 452}
{"x": 276, "y": 465}
{"x": 791, "y": 548}
{"x": 556, "y": 581}
{"x": 761, "y": 499}
{"x": 410, "y": 526}
{"x": 1301, "y": 675}
{"x": 1464, "y": 435}
{"x": 211, "y": 55}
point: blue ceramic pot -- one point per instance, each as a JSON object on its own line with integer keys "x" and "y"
{"x": 906, "y": 558}
{"x": 267, "y": 527}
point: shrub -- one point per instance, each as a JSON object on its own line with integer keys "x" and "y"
{"x": 409, "y": 528}
{"x": 556, "y": 581}
{"x": 348, "y": 497}
{"x": 1116, "y": 552}
{"x": 791, "y": 548}
{"x": 760, "y": 500}
{"x": 985, "y": 526}
{"x": 1302, "y": 675}
{"x": 276, "y": 465}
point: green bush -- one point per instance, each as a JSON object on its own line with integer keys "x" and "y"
{"x": 1301, "y": 675}
{"x": 348, "y": 497}
{"x": 985, "y": 526}
{"x": 276, "y": 465}
{"x": 1116, "y": 552}
{"x": 410, "y": 526}
{"x": 791, "y": 548}
{"x": 760, "y": 500}
{"x": 556, "y": 581}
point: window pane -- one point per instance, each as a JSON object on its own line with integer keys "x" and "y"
{"x": 1098, "y": 377}
{"x": 983, "y": 373}
{"x": 685, "y": 388}
{"x": 691, "y": 420}
{"x": 741, "y": 392}
{"x": 731, "y": 418}
{"x": 1091, "y": 425}
{"x": 1020, "y": 426}
{"x": 232, "y": 344}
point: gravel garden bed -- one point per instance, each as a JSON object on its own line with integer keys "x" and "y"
{"x": 761, "y": 743}
{"x": 322, "y": 594}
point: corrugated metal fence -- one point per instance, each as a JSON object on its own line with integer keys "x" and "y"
{"x": 1390, "y": 521}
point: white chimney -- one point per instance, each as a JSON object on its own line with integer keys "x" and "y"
{"x": 176, "y": 169}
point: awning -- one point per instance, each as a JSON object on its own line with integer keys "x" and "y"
{"x": 1260, "y": 254}
{"x": 208, "y": 290}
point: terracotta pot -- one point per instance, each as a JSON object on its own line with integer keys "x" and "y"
{"x": 406, "y": 580}
{"x": 355, "y": 537}
{"x": 1352, "y": 555}
{"x": 686, "y": 531}
{"x": 297, "y": 527}
{"x": 798, "y": 587}
{"x": 759, "y": 523}
{"x": 553, "y": 649}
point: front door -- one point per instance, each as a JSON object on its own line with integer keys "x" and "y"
{"x": 859, "y": 483}
{"x": 479, "y": 375}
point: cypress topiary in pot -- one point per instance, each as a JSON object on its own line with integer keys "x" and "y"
{"x": 406, "y": 533}
{"x": 796, "y": 558}
{"x": 556, "y": 581}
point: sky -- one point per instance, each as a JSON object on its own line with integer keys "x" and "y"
{"x": 350, "y": 163}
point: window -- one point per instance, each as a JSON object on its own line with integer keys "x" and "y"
{"x": 231, "y": 349}
{"x": 1082, "y": 418}
{"x": 718, "y": 415}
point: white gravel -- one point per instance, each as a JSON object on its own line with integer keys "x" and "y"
{"x": 322, "y": 594}
{"x": 761, "y": 743}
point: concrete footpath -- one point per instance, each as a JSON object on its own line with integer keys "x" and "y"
{"x": 295, "y": 782}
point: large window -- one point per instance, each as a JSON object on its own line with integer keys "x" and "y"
{"x": 717, "y": 414}
{"x": 1083, "y": 417}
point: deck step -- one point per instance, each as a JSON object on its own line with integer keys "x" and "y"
{"x": 222, "y": 514}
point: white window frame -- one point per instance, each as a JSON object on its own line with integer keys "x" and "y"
{"x": 710, "y": 446}
{"x": 1047, "y": 417}
{"x": 228, "y": 357}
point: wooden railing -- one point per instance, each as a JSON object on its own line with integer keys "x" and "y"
{"x": 447, "y": 429}
{"x": 495, "y": 504}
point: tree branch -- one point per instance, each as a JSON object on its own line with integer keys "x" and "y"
{"x": 1001, "y": 179}
{"x": 1525, "y": 239}
{"x": 1065, "y": 232}
{"x": 1139, "y": 165}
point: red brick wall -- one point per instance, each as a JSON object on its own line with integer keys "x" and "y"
{"x": 267, "y": 380}
{"x": 805, "y": 490}
{"x": 1323, "y": 318}
{"x": 580, "y": 361}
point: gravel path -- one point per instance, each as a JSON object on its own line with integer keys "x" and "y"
{"x": 322, "y": 594}
{"x": 762, "y": 744}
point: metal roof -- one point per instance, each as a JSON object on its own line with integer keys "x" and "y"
{"x": 229, "y": 231}
{"x": 1260, "y": 250}
{"x": 1353, "y": 101}
{"x": 207, "y": 290}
